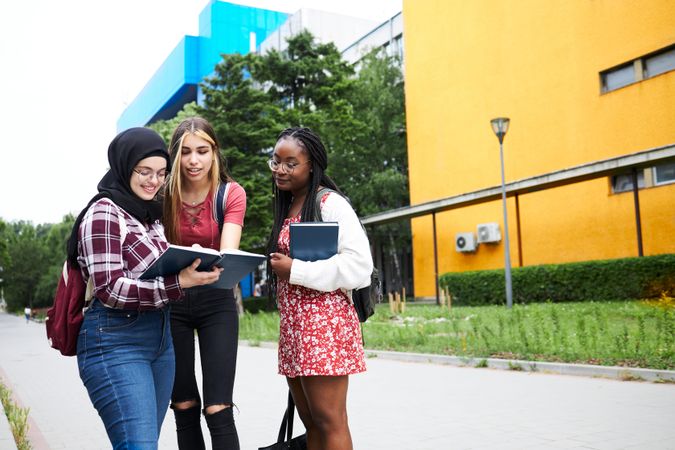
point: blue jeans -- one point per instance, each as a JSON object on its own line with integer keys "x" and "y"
{"x": 127, "y": 364}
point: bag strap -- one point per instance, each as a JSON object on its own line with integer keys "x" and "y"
{"x": 317, "y": 206}
{"x": 89, "y": 291}
{"x": 317, "y": 202}
{"x": 287, "y": 422}
{"x": 219, "y": 201}
{"x": 123, "y": 226}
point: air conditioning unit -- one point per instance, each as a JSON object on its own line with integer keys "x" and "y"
{"x": 465, "y": 242}
{"x": 489, "y": 232}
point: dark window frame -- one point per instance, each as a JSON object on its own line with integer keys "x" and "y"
{"x": 639, "y": 66}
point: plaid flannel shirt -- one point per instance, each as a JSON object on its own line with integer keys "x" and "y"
{"x": 115, "y": 266}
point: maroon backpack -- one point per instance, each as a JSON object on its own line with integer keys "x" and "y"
{"x": 64, "y": 318}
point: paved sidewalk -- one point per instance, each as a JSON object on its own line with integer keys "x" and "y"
{"x": 395, "y": 405}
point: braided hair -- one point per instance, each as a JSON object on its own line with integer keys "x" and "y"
{"x": 311, "y": 143}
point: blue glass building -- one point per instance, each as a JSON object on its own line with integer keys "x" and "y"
{"x": 223, "y": 28}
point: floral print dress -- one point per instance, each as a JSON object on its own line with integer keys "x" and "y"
{"x": 320, "y": 332}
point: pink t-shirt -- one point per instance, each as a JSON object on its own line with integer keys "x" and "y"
{"x": 197, "y": 225}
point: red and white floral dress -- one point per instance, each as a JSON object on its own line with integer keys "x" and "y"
{"x": 319, "y": 332}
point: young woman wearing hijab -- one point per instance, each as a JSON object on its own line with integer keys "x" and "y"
{"x": 124, "y": 349}
{"x": 189, "y": 205}
{"x": 320, "y": 338}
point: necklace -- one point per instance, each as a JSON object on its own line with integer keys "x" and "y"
{"x": 197, "y": 201}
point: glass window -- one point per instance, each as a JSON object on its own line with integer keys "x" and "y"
{"x": 664, "y": 173}
{"x": 624, "y": 182}
{"x": 618, "y": 78}
{"x": 398, "y": 46}
{"x": 658, "y": 64}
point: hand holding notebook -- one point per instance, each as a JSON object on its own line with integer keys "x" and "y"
{"x": 236, "y": 263}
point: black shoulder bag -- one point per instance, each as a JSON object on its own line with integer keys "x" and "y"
{"x": 365, "y": 298}
{"x": 285, "y": 440}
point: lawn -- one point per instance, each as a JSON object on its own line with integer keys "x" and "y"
{"x": 626, "y": 333}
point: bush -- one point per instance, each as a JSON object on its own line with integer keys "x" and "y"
{"x": 613, "y": 279}
{"x": 258, "y": 304}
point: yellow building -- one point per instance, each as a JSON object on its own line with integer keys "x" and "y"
{"x": 581, "y": 81}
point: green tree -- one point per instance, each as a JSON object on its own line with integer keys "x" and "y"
{"x": 32, "y": 261}
{"x": 307, "y": 77}
{"x": 165, "y": 127}
{"x": 54, "y": 244}
{"x": 4, "y": 253}
{"x": 378, "y": 102}
{"x": 360, "y": 118}
{"x": 246, "y": 122}
{"x": 373, "y": 165}
{"x": 22, "y": 273}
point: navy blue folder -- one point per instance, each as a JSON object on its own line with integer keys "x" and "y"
{"x": 313, "y": 241}
{"x": 236, "y": 263}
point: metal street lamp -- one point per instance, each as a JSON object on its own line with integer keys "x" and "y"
{"x": 500, "y": 126}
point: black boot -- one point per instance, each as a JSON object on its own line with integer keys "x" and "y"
{"x": 223, "y": 432}
{"x": 189, "y": 428}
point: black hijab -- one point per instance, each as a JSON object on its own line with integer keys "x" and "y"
{"x": 124, "y": 152}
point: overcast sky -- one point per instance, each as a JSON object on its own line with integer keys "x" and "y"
{"x": 67, "y": 71}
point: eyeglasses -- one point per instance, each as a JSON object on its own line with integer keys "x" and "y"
{"x": 284, "y": 166}
{"x": 145, "y": 175}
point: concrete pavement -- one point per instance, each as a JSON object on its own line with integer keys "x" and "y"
{"x": 395, "y": 405}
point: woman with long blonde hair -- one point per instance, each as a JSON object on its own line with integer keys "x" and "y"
{"x": 191, "y": 217}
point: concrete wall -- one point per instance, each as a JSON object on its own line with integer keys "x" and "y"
{"x": 539, "y": 64}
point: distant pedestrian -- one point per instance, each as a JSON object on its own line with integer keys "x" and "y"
{"x": 263, "y": 288}
{"x": 320, "y": 341}
{"x": 27, "y": 313}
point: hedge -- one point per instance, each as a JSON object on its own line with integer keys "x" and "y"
{"x": 613, "y": 279}
{"x": 257, "y": 304}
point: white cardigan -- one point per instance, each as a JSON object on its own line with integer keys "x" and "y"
{"x": 351, "y": 267}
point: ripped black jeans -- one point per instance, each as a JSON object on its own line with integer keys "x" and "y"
{"x": 212, "y": 313}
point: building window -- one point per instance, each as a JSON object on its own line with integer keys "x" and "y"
{"x": 660, "y": 63}
{"x": 624, "y": 182}
{"x": 252, "y": 42}
{"x": 639, "y": 69}
{"x": 664, "y": 173}
{"x": 618, "y": 78}
{"x": 398, "y": 47}
{"x": 647, "y": 178}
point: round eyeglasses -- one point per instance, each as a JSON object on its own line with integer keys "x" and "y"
{"x": 146, "y": 175}
{"x": 286, "y": 167}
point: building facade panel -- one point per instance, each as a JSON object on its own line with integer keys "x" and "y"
{"x": 325, "y": 27}
{"x": 223, "y": 28}
{"x": 540, "y": 64}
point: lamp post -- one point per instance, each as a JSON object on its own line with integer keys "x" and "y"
{"x": 500, "y": 126}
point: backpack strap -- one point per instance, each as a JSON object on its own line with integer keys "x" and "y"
{"x": 123, "y": 226}
{"x": 89, "y": 292}
{"x": 219, "y": 202}
{"x": 317, "y": 205}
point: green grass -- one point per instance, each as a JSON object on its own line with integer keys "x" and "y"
{"x": 259, "y": 327}
{"x": 17, "y": 417}
{"x": 624, "y": 333}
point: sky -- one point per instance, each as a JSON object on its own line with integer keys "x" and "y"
{"x": 69, "y": 68}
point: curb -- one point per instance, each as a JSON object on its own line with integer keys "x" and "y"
{"x": 585, "y": 370}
